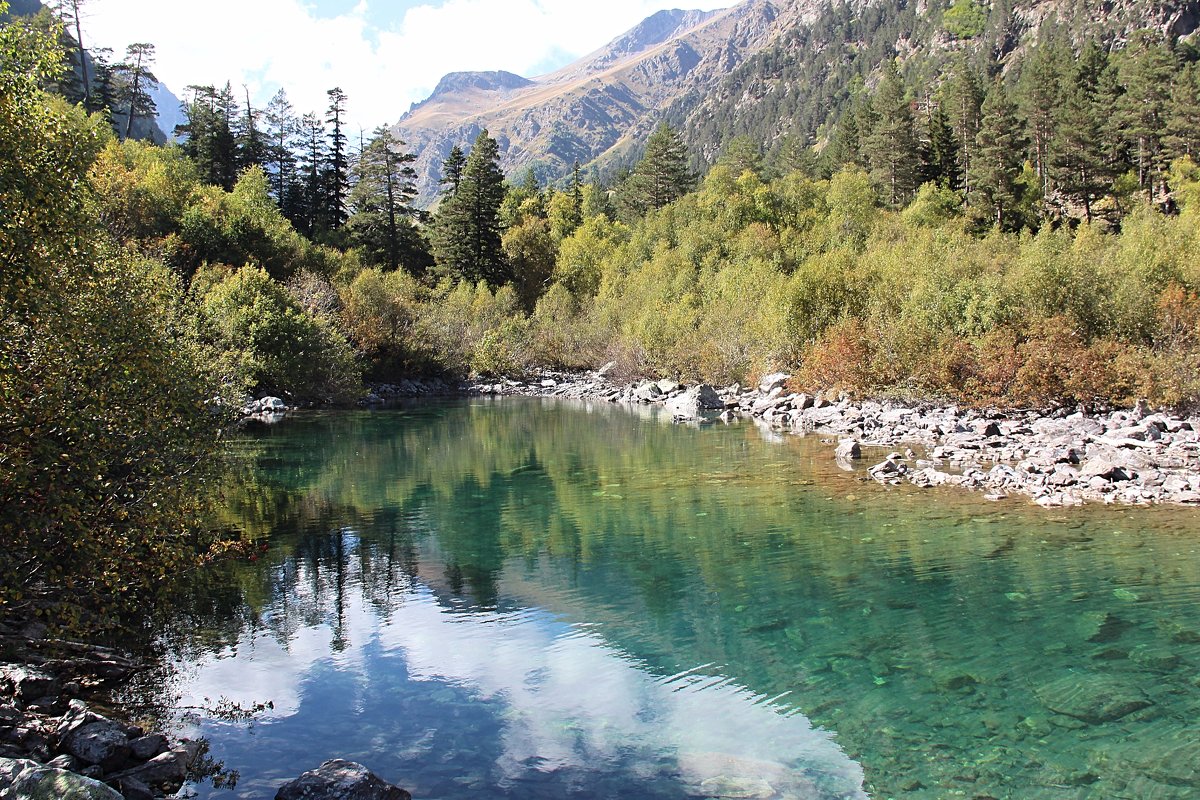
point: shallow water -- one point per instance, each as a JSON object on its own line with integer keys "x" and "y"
{"x": 523, "y": 598}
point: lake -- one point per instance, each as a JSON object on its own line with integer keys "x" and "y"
{"x": 535, "y": 598}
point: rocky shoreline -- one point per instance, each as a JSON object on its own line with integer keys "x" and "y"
{"x": 1056, "y": 458}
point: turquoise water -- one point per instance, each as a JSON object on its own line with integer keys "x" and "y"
{"x": 524, "y": 598}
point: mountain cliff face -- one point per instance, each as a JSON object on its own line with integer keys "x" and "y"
{"x": 763, "y": 68}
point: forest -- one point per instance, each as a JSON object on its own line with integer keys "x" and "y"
{"x": 1021, "y": 239}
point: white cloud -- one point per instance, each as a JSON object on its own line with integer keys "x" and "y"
{"x": 267, "y": 44}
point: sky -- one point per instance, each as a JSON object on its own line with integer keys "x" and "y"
{"x": 385, "y": 54}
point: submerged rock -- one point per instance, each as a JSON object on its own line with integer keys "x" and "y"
{"x": 1094, "y": 699}
{"x": 340, "y": 780}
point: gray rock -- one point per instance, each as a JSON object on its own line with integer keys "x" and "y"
{"x": 165, "y": 769}
{"x": 27, "y": 683}
{"x": 340, "y": 780}
{"x": 147, "y": 747}
{"x": 45, "y": 783}
{"x": 776, "y": 380}
{"x": 647, "y": 392}
{"x": 692, "y": 403}
{"x": 607, "y": 369}
{"x": 133, "y": 789}
{"x": 64, "y": 761}
{"x": 666, "y": 385}
{"x": 11, "y": 769}
{"x": 103, "y": 742}
{"x": 848, "y": 449}
{"x": 1103, "y": 468}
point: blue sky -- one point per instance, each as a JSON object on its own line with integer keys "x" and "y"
{"x": 385, "y": 54}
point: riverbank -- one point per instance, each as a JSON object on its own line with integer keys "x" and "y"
{"x": 1055, "y": 458}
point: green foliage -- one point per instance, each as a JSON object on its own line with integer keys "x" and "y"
{"x": 103, "y": 429}
{"x": 382, "y": 214}
{"x": 964, "y": 19}
{"x": 266, "y": 342}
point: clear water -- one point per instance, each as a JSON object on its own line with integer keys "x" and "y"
{"x": 537, "y": 599}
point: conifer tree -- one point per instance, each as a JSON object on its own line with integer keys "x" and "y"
{"x": 1077, "y": 160}
{"x": 467, "y": 229}
{"x": 68, "y": 12}
{"x": 136, "y": 82}
{"x": 940, "y": 159}
{"x": 452, "y": 170}
{"x": 1040, "y": 96}
{"x": 1147, "y": 70}
{"x": 381, "y": 202}
{"x": 252, "y": 145}
{"x": 209, "y": 139}
{"x": 998, "y": 156}
{"x": 1183, "y": 119}
{"x": 661, "y": 176}
{"x": 281, "y": 128}
{"x": 892, "y": 144}
{"x": 337, "y": 174}
{"x": 962, "y": 99}
{"x": 305, "y": 209}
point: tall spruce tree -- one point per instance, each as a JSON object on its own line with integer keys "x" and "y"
{"x": 305, "y": 209}
{"x": 381, "y": 203}
{"x": 891, "y": 145}
{"x": 467, "y": 236}
{"x": 1183, "y": 118}
{"x": 996, "y": 167}
{"x": 337, "y": 174}
{"x": 208, "y": 137}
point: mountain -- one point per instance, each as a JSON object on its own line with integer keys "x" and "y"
{"x": 763, "y": 68}
{"x": 599, "y": 109}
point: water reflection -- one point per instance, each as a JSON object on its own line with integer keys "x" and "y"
{"x": 488, "y": 596}
{"x": 452, "y": 699}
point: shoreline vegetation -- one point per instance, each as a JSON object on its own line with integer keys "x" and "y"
{"x": 1020, "y": 238}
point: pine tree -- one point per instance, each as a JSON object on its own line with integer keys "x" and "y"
{"x": 1147, "y": 71}
{"x": 208, "y": 139}
{"x": 940, "y": 161}
{"x": 1078, "y": 165}
{"x": 1183, "y": 118}
{"x": 337, "y": 175}
{"x": 661, "y": 176}
{"x": 998, "y": 156}
{"x": 452, "y": 171}
{"x": 252, "y": 145}
{"x": 891, "y": 145}
{"x": 68, "y": 12}
{"x": 1040, "y": 96}
{"x": 962, "y": 99}
{"x": 306, "y": 206}
{"x": 467, "y": 229}
{"x": 381, "y": 202}
{"x": 282, "y": 126}
{"x": 136, "y": 80}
